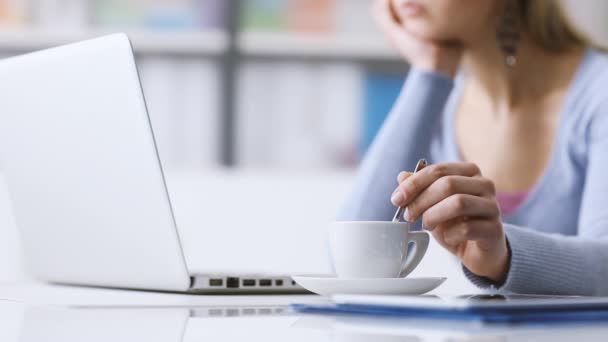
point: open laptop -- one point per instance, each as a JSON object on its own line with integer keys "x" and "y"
{"x": 87, "y": 188}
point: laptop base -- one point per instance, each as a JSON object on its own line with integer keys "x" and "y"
{"x": 249, "y": 284}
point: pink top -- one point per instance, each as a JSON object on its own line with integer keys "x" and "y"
{"x": 510, "y": 201}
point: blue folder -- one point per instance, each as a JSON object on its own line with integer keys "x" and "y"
{"x": 485, "y": 315}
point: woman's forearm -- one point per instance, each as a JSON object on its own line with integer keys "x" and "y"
{"x": 544, "y": 263}
{"x": 553, "y": 264}
{"x": 403, "y": 139}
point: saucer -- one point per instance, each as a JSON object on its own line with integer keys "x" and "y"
{"x": 331, "y": 285}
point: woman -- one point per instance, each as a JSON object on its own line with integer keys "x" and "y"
{"x": 518, "y": 140}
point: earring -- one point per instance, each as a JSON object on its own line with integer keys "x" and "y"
{"x": 508, "y": 34}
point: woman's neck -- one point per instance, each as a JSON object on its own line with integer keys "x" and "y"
{"x": 537, "y": 73}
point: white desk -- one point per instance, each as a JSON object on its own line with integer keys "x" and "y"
{"x": 42, "y": 313}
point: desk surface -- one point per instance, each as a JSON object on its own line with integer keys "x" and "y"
{"x": 37, "y": 313}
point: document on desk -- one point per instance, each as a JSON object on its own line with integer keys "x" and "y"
{"x": 482, "y": 308}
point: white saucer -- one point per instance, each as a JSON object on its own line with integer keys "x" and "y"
{"x": 331, "y": 285}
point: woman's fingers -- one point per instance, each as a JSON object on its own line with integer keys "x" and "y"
{"x": 475, "y": 230}
{"x": 455, "y": 234}
{"x": 458, "y": 206}
{"x": 446, "y": 187}
{"x": 385, "y": 16}
{"x": 479, "y": 243}
{"x": 403, "y": 176}
{"x": 412, "y": 186}
{"x": 438, "y": 234}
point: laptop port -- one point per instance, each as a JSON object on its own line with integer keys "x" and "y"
{"x": 216, "y": 312}
{"x": 232, "y": 283}
{"x": 248, "y": 282}
{"x": 278, "y": 282}
{"x": 216, "y": 282}
{"x": 265, "y": 282}
{"x": 264, "y": 311}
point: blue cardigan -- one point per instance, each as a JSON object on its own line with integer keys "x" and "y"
{"x": 559, "y": 235}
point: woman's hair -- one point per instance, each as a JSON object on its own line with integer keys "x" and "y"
{"x": 546, "y": 23}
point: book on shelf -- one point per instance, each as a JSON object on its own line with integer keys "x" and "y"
{"x": 266, "y": 15}
{"x": 339, "y": 90}
{"x": 254, "y": 106}
{"x": 294, "y": 118}
{"x": 381, "y": 89}
{"x": 353, "y": 17}
{"x": 171, "y": 15}
{"x": 212, "y": 13}
{"x": 183, "y": 106}
{"x": 305, "y": 122}
{"x": 199, "y": 100}
{"x": 296, "y": 115}
{"x": 309, "y": 16}
{"x": 61, "y": 14}
{"x": 159, "y": 81}
{"x": 315, "y": 16}
{"x": 13, "y": 12}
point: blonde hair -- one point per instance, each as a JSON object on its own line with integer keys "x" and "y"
{"x": 546, "y": 23}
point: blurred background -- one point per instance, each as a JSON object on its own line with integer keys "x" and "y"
{"x": 267, "y": 103}
{"x": 247, "y": 84}
{"x": 290, "y": 84}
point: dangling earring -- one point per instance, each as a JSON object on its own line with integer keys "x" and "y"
{"x": 508, "y": 34}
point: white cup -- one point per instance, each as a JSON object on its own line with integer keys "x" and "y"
{"x": 375, "y": 249}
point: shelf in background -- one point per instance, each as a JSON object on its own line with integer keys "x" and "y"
{"x": 260, "y": 44}
{"x": 153, "y": 42}
{"x": 348, "y": 46}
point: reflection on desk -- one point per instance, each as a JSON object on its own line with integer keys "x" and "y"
{"x": 252, "y": 323}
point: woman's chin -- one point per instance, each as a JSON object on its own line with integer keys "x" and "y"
{"x": 428, "y": 32}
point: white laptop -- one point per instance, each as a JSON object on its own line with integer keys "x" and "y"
{"x": 86, "y": 185}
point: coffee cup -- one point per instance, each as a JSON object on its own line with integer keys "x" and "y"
{"x": 375, "y": 249}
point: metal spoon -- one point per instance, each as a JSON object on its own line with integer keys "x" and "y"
{"x": 401, "y": 210}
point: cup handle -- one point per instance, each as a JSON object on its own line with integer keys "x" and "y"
{"x": 421, "y": 244}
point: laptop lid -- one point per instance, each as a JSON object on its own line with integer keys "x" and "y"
{"x": 83, "y": 174}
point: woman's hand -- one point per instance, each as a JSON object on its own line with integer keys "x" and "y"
{"x": 458, "y": 206}
{"x": 424, "y": 54}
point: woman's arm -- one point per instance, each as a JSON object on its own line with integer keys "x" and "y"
{"x": 406, "y": 134}
{"x": 557, "y": 264}
{"x": 403, "y": 139}
{"x": 544, "y": 263}
{"x": 458, "y": 205}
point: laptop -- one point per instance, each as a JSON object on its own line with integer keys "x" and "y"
{"x": 88, "y": 193}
